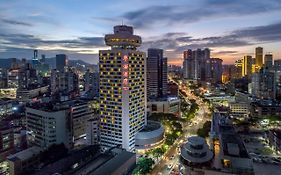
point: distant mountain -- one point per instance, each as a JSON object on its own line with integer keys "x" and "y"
{"x": 78, "y": 62}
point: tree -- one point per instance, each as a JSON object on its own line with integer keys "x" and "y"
{"x": 204, "y": 132}
{"x": 144, "y": 166}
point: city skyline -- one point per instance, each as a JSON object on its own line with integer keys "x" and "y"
{"x": 229, "y": 29}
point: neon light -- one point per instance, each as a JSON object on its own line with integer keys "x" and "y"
{"x": 125, "y": 66}
{"x": 125, "y": 58}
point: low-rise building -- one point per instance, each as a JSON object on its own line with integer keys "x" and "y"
{"x": 30, "y": 93}
{"x": 169, "y": 105}
{"x": 259, "y": 109}
{"x": 230, "y": 152}
{"x": 194, "y": 153}
{"x": 90, "y": 160}
{"x": 239, "y": 109}
{"x": 151, "y": 136}
{"x": 8, "y": 93}
{"x": 23, "y": 161}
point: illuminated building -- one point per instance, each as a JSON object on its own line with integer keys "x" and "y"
{"x": 238, "y": 69}
{"x": 122, "y": 89}
{"x": 156, "y": 73}
{"x": 259, "y": 57}
{"x": 247, "y": 62}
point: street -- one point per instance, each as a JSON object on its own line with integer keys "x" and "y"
{"x": 168, "y": 164}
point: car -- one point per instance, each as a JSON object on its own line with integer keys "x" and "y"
{"x": 172, "y": 157}
{"x": 170, "y": 166}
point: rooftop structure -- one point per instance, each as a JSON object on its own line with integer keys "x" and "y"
{"x": 195, "y": 152}
{"x": 150, "y": 136}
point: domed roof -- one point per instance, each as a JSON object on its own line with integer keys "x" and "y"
{"x": 196, "y": 150}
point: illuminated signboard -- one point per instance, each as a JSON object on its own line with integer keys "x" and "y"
{"x": 125, "y": 73}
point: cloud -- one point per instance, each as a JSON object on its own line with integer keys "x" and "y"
{"x": 265, "y": 33}
{"x": 33, "y": 41}
{"x": 186, "y": 13}
{"x": 14, "y": 22}
{"x": 178, "y": 42}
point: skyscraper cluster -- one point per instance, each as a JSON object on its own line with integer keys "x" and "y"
{"x": 198, "y": 65}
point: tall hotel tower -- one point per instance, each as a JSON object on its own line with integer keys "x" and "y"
{"x": 122, "y": 89}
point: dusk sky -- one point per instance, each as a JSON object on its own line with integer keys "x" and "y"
{"x": 231, "y": 28}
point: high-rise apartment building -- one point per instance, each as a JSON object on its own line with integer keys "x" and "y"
{"x": 263, "y": 85}
{"x": 259, "y": 57}
{"x": 198, "y": 65}
{"x": 122, "y": 89}
{"x": 156, "y": 73}
{"x": 214, "y": 70}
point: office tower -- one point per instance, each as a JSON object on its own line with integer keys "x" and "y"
{"x": 122, "y": 88}
{"x": 92, "y": 83}
{"x": 61, "y": 61}
{"x": 65, "y": 82}
{"x": 156, "y": 73}
{"x": 263, "y": 85}
{"x": 247, "y": 65}
{"x": 268, "y": 61}
{"x": 35, "y": 57}
{"x": 259, "y": 57}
